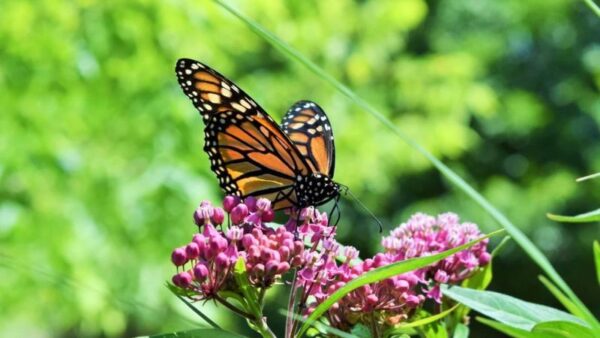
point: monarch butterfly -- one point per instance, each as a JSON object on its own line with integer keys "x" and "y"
{"x": 250, "y": 154}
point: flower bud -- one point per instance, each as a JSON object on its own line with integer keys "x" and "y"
{"x": 203, "y": 213}
{"x": 179, "y": 257}
{"x": 267, "y": 216}
{"x": 200, "y": 272}
{"x": 239, "y": 213}
{"x": 218, "y": 216}
{"x": 222, "y": 260}
{"x": 182, "y": 279}
{"x": 271, "y": 267}
{"x": 484, "y": 258}
{"x": 258, "y": 270}
{"x": 230, "y": 202}
{"x": 250, "y": 202}
{"x": 413, "y": 301}
{"x": 192, "y": 250}
{"x": 282, "y": 268}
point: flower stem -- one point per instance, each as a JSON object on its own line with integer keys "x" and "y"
{"x": 235, "y": 309}
{"x": 290, "y": 320}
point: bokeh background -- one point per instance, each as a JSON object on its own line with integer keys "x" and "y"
{"x": 101, "y": 161}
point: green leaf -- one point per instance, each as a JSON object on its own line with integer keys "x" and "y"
{"x": 361, "y": 331}
{"x": 506, "y": 309}
{"x": 250, "y": 293}
{"x": 563, "y": 329}
{"x": 320, "y": 327}
{"x": 564, "y": 300}
{"x": 435, "y": 330}
{"x": 478, "y": 281}
{"x": 461, "y": 331}
{"x": 519, "y": 237}
{"x": 383, "y": 273}
{"x": 509, "y": 330}
{"x": 592, "y": 216}
{"x": 199, "y": 333}
{"x": 597, "y": 259}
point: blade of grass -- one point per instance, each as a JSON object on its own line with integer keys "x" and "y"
{"x": 592, "y": 5}
{"x": 515, "y": 232}
{"x": 588, "y": 177}
{"x": 382, "y": 273}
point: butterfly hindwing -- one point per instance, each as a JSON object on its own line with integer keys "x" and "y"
{"x": 249, "y": 153}
{"x": 307, "y": 126}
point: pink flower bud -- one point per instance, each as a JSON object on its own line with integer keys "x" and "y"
{"x": 203, "y": 213}
{"x": 192, "y": 250}
{"x": 178, "y": 257}
{"x": 250, "y": 202}
{"x": 200, "y": 272}
{"x": 413, "y": 301}
{"x": 182, "y": 279}
{"x": 248, "y": 240}
{"x": 282, "y": 268}
{"x": 239, "y": 213}
{"x": 222, "y": 260}
{"x": 230, "y": 202}
{"x": 372, "y": 300}
{"x": 271, "y": 267}
{"x": 268, "y": 216}
{"x": 284, "y": 252}
{"x": 218, "y": 216}
{"x": 484, "y": 258}
{"x": 258, "y": 270}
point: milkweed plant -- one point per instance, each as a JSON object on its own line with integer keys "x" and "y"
{"x": 238, "y": 255}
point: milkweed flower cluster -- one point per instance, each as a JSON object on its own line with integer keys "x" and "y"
{"x": 393, "y": 300}
{"x": 205, "y": 264}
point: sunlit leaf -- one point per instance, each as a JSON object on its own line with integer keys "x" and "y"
{"x": 563, "y": 329}
{"x": 592, "y": 216}
{"x": 508, "y": 310}
{"x": 199, "y": 333}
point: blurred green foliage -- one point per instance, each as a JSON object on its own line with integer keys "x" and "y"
{"x": 101, "y": 160}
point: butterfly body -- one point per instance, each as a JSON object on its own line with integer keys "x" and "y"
{"x": 250, "y": 154}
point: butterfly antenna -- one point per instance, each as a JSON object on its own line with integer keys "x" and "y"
{"x": 348, "y": 192}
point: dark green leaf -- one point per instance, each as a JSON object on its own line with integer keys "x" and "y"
{"x": 359, "y": 330}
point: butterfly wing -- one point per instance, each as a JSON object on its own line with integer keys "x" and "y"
{"x": 307, "y": 126}
{"x": 249, "y": 153}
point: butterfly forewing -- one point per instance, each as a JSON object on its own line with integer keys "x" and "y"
{"x": 249, "y": 153}
{"x": 308, "y": 128}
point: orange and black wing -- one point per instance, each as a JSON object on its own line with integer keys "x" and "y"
{"x": 307, "y": 126}
{"x": 249, "y": 153}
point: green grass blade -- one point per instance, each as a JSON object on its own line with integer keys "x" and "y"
{"x": 515, "y": 232}
{"x": 564, "y": 300}
{"x": 592, "y": 5}
{"x": 588, "y": 177}
{"x": 597, "y": 259}
{"x": 381, "y": 274}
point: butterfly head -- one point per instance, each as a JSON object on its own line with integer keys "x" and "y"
{"x": 315, "y": 189}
